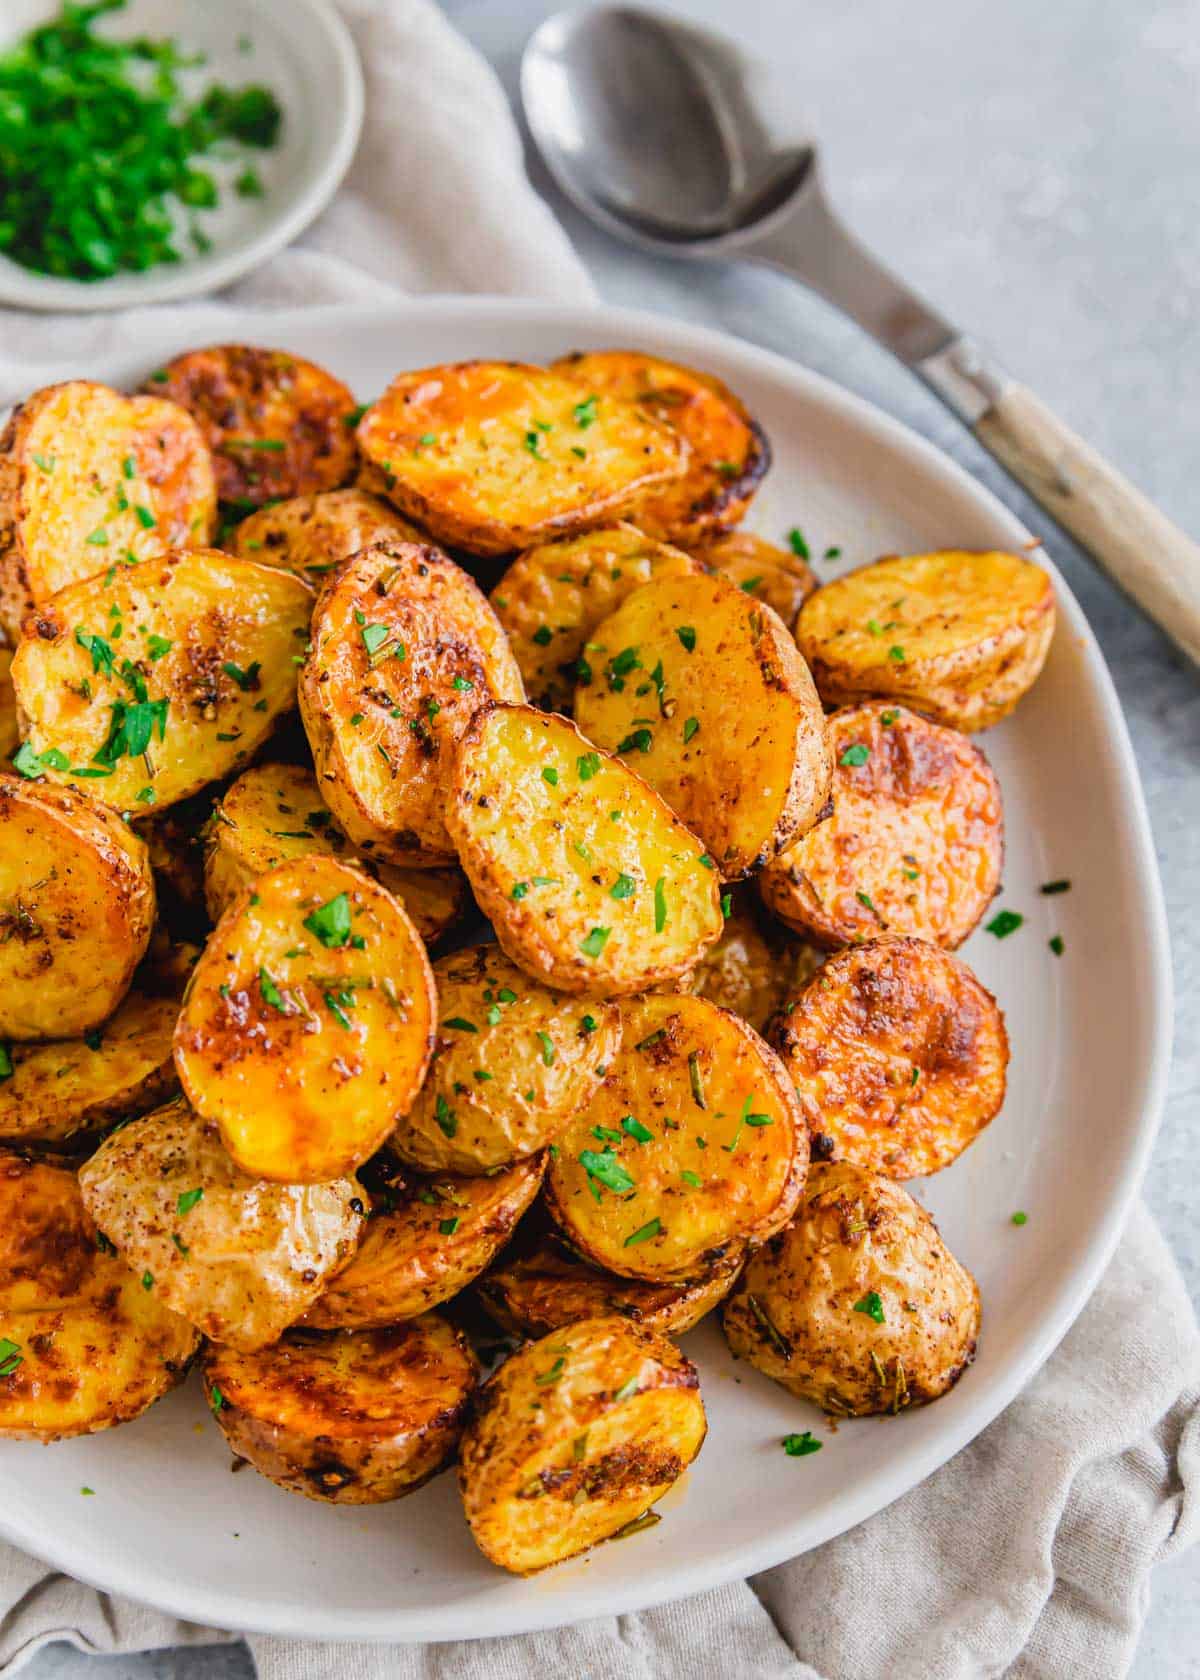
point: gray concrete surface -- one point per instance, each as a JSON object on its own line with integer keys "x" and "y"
{"x": 1035, "y": 169}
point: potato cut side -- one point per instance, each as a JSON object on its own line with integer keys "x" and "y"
{"x": 82, "y": 1345}
{"x": 308, "y": 1022}
{"x": 426, "y": 1240}
{"x": 763, "y": 570}
{"x": 552, "y": 598}
{"x": 312, "y": 535}
{"x": 915, "y": 842}
{"x": 91, "y": 479}
{"x": 238, "y": 1257}
{"x": 755, "y": 966}
{"x": 533, "y": 1293}
{"x": 351, "y": 1419}
{"x": 858, "y": 1306}
{"x": 513, "y": 1061}
{"x": 76, "y": 909}
{"x": 276, "y": 424}
{"x": 590, "y": 882}
{"x": 898, "y": 1056}
{"x": 728, "y": 453}
{"x": 404, "y": 649}
{"x": 956, "y": 634}
{"x": 53, "y": 1091}
{"x": 149, "y": 681}
{"x": 701, "y": 688}
{"x": 694, "y": 1145}
{"x": 492, "y": 456}
{"x": 574, "y": 1438}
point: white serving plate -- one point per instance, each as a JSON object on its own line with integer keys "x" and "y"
{"x": 1090, "y": 1033}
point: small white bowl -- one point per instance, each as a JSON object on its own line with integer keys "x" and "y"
{"x": 302, "y": 51}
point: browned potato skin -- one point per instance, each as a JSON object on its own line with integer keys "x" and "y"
{"x": 915, "y": 843}
{"x": 728, "y": 450}
{"x": 350, "y": 1419}
{"x": 559, "y": 1420}
{"x": 76, "y": 909}
{"x": 406, "y": 1263}
{"x": 84, "y": 430}
{"x": 754, "y": 966}
{"x": 565, "y": 590}
{"x": 95, "y": 1349}
{"x": 898, "y": 1056}
{"x": 386, "y": 779}
{"x": 533, "y": 1293}
{"x": 312, "y": 535}
{"x": 973, "y": 629}
{"x": 10, "y": 735}
{"x": 764, "y": 570}
{"x": 239, "y": 391}
{"x": 793, "y": 1312}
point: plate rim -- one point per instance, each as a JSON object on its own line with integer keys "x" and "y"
{"x": 537, "y": 1612}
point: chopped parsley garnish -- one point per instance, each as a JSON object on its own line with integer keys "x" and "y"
{"x": 660, "y": 904}
{"x": 1056, "y": 944}
{"x": 100, "y": 650}
{"x": 896, "y": 654}
{"x": 691, "y": 1178}
{"x": 98, "y": 538}
{"x": 463, "y": 684}
{"x": 872, "y": 1305}
{"x": 588, "y": 1023}
{"x": 215, "y": 1399}
{"x": 1004, "y": 923}
{"x": 690, "y": 727}
{"x": 158, "y": 646}
{"x": 247, "y": 679}
{"x": 542, "y": 635}
{"x": 639, "y": 740}
{"x": 131, "y": 730}
{"x": 633, "y": 1126}
{"x": 145, "y": 518}
{"x": 147, "y": 1280}
{"x": 687, "y": 636}
{"x": 727, "y": 905}
{"x": 459, "y": 1023}
{"x": 6, "y": 1062}
{"x": 533, "y": 443}
{"x": 1020, "y": 1218}
{"x": 651, "y": 1228}
{"x": 797, "y": 543}
{"x": 799, "y": 1446}
{"x": 10, "y": 1356}
{"x": 859, "y": 753}
{"x": 550, "y": 775}
{"x": 373, "y": 636}
{"x": 337, "y": 1003}
{"x": 547, "y": 1044}
{"x": 623, "y": 1393}
{"x": 602, "y": 1166}
{"x": 188, "y": 1200}
{"x": 270, "y": 992}
{"x": 623, "y": 887}
{"x": 331, "y": 922}
{"x": 697, "y": 1081}
{"x": 544, "y": 1378}
{"x": 445, "y": 1116}
{"x": 447, "y": 1227}
{"x": 584, "y": 413}
{"x": 595, "y": 942}
{"x": 1050, "y": 887}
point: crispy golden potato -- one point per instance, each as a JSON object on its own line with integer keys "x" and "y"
{"x": 574, "y": 1438}
{"x": 82, "y": 1345}
{"x": 238, "y": 1257}
{"x": 754, "y": 966}
{"x": 915, "y": 842}
{"x": 552, "y": 598}
{"x": 426, "y": 1240}
{"x": 764, "y": 570}
{"x": 958, "y": 635}
{"x": 76, "y": 909}
{"x": 513, "y": 1061}
{"x": 533, "y": 1293}
{"x": 9, "y": 732}
{"x": 492, "y": 456}
{"x": 858, "y": 1306}
{"x": 312, "y": 535}
{"x": 52, "y": 1091}
{"x": 702, "y": 689}
{"x": 151, "y": 680}
{"x": 276, "y": 424}
{"x": 404, "y": 649}
{"x": 91, "y": 479}
{"x": 308, "y": 1022}
{"x": 694, "y": 1145}
{"x": 728, "y": 453}
{"x": 354, "y": 1418}
{"x": 591, "y": 883}
{"x": 898, "y": 1056}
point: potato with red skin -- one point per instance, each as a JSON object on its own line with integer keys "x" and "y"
{"x": 312, "y": 535}
{"x": 762, "y": 569}
{"x": 755, "y": 965}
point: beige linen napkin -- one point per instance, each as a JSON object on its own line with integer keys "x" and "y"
{"x": 1030, "y": 1553}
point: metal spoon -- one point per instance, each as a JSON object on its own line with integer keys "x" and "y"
{"x": 673, "y": 139}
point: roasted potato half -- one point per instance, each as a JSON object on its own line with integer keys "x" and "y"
{"x": 533, "y": 1293}
{"x": 10, "y": 734}
{"x": 238, "y": 1257}
{"x": 277, "y": 426}
{"x": 728, "y": 454}
{"x": 701, "y": 687}
{"x": 958, "y": 635}
{"x": 574, "y": 1438}
{"x": 149, "y": 681}
{"x": 425, "y": 1241}
{"x": 915, "y": 842}
{"x": 898, "y": 1056}
{"x": 513, "y": 1061}
{"x": 76, "y": 909}
{"x": 91, "y": 479}
{"x": 590, "y": 881}
{"x": 353, "y": 1418}
{"x": 83, "y": 1345}
{"x": 404, "y": 649}
{"x": 308, "y": 1022}
{"x": 754, "y": 967}
{"x": 493, "y": 456}
{"x": 764, "y": 570}
{"x": 694, "y": 1145}
{"x": 312, "y": 535}
{"x": 552, "y": 598}
{"x": 858, "y": 1306}
{"x": 52, "y": 1091}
